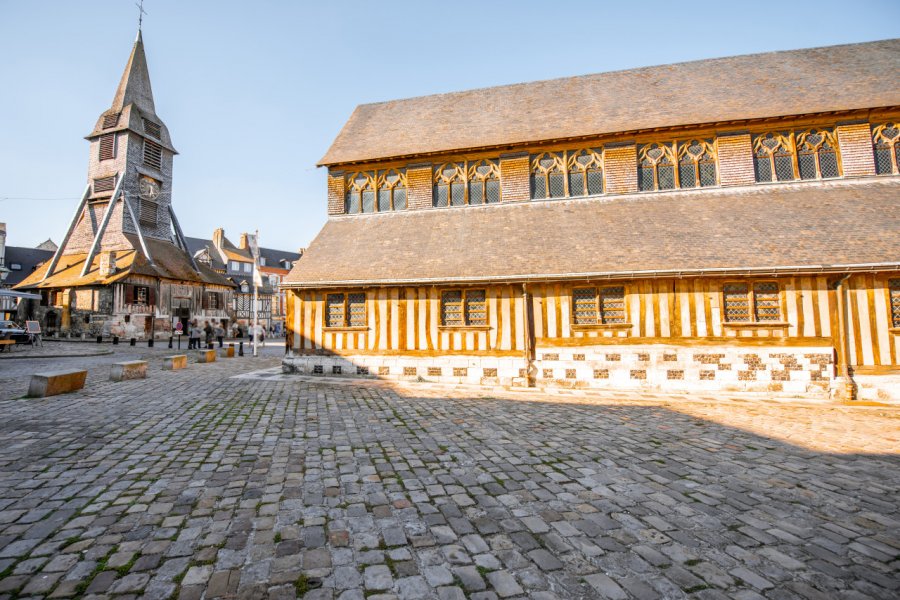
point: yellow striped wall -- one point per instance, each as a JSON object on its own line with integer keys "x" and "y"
{"x": 406, "y": 320}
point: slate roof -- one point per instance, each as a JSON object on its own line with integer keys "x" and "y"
{"x": 746, "y": 87}
{"x": 29, "y": 258}
{"x": 827, "y": 226}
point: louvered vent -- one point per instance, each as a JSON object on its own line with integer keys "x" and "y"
{"x": 110, "y": 120}
{"x": 152, "y": 129}
{"x": 152, "y": 154}
{"x": 107, "y": 146}
{"x": 149, "y": 211}
{"x": 104, "y": 184}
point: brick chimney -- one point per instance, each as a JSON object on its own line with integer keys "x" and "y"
{"x": 218, "y": 238}
{"x": 243, "y": 245}
{"x": 108, "y": 263}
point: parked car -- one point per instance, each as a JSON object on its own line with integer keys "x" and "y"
{"x": 10, "y": 331}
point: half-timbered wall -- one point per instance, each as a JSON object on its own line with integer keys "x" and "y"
{"x": 675, "y": 336}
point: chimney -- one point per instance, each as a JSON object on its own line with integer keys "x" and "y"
{"x": 218, "y": 238}
{"x": 243, "y": 245}
{"x": 108, "y": 263}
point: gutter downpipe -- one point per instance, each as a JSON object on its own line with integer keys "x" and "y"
{"x": 845, "y": 387}
{"x": 530, "y": 371}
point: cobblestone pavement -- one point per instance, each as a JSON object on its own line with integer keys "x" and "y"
{"x": 194, "y": 484}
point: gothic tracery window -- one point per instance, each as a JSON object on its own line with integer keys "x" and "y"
{"x": 391, "y": 190}
{"x": 548, "y": 176}
{"x": 787, "y": 156}
{"x": 360, "y": 194}
{"x": 886, "y": 143}
{"x": 817, "y": 154}
{"x": 585, "y": 171}
{"x": 484, "y": 182}
{"x": 696, "y": 163}
{"x": 656, "y": 170}
{"x": 449, "y": 185}
{"x": 773, "y": 157}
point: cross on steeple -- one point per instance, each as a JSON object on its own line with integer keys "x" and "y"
{"x": 141, "y": 13}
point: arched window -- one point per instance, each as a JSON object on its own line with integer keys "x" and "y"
{"x": 773, "y": 157}
{"x": 817, "y": 154}
{"x": 391, "y": 190}
{"x": 449, "y": 185}
{"x": 585, "y": 168}
{"x": 360, "y": 196}
{"x": 548, "y": 176}
{"x": 657, "y": 167}
{"x": 484, "y": 182}
{"x": 696, "y": 163}
{"x": 886, "y": 142}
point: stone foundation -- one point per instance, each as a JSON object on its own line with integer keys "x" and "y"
{"x": 878, "y": 388}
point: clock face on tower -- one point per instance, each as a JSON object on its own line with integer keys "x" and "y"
{"x": 149, "y": 189}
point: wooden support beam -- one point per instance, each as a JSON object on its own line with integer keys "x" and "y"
{"x": 180, "y": 237}
{"x": 103, "y": 223}
{"x": 137, "y": 227}
{"x": 56, "y": 255}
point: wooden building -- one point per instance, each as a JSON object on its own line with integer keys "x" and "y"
{"x": 123, "y": 267}
{"x": 727, "y": 224}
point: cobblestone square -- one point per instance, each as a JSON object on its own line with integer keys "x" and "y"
{"x": 196, "y": 484}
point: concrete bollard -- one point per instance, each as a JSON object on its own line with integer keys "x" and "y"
{"x": 130, "y": 369}
{"x": 227, "y": 352}
{"x": 206, "y": 356}
{"x": 51, "y": 383}
{"x": 174, "y": 363}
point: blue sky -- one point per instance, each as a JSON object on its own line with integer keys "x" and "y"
{"x": 254, "y": 92}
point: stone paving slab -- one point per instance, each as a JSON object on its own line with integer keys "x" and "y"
{"x": 196, "y": 484}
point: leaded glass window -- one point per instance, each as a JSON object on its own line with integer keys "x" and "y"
{"x": 591, "y": 306}
{"x": 360, "y": 194}
{"x": 773, "y": 157}
{"x": 449, "y": 185}
{"x": 894, "y": 290}
{"x": 817, "y": 154}
{"x": 343, "y": 310}
{"x": 886, "y": 144}
{"x": 757, "y": 302}
{"x": 460, "y": 308}
{"x": 391, "y": 190}
{"x": 548, "y": 175}
{"x": 484, "y": 182}
{"x": 656, "y": 170}
{"x": 696, "y": 163}
{"x": 585, "y": 172}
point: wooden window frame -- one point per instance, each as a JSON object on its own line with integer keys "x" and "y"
{"x": 789, "y": 143}
{"x": 478, "y": 180}
{"x": 459, "y": 177}
{"x": 879, "y": 137}
{"x": 754, "y": 320}
{"x": 669, "y": 150}
{"x": 465, "y": 312}
{"x": 539, "y": 171}
{"x": 345, "y": 312}
{"x": 602, "y": 321}
{"x": 893, "y": 304}
{"x": 212, "y": 300}
{"x": 383, "y": 183}
{"x": 575, "y": 166}
{"x": 828, "y": 136}
{"x": 709, "y": 155}
{"x": 137, "y": 293}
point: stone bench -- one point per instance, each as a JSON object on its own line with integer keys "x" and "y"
{"x": 206, "y": 356}
{"x": 174, "y": 363}
{"x": 51, "y": 383}
{"x": 130, "y": 369}
{"x": 226, "y": 352}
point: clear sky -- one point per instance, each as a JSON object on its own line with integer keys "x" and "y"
{"x": 254, "y": 92}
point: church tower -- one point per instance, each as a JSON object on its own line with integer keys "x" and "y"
{"x": 131, "y": 155}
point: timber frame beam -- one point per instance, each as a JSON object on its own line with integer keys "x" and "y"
{"x": 102, "y": 228}
{"x": 179, "y": 236}
{"x": 56, "y": 256}
{"x": 137, "y": 227}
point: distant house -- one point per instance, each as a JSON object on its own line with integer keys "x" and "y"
{"x": 235, "y": 262}
{"x": 16, "y": 263}
{"x": 727, "y": 224}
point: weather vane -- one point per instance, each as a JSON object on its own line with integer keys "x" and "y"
{"x": 141, "y": 13}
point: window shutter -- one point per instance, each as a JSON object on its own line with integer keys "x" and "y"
{"x": 205, "y": 300}
{"x": 129, "y": 294}
{"x": 110, "y": 120}
{"x": 152, "y": 296}
{"x": 104, "y": 184}
{"x": 107, "y": 146}
{"x": 152, "y": 154}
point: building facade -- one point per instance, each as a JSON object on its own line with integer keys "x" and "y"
{"x": 678, "y": 228}
{"x": 17, "y": 263}
{"x": 236, "y": 263}
{"x": 123, "y": 267}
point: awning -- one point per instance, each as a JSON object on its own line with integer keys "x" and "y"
{"x": 12, "y": 294}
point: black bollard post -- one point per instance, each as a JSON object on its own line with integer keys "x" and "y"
{"x": 241, "y": 349}
{"x": 99, "y": 339}
{"x": 115, "y": 340}
{"x": 170, "y": 341}
{"x": 132, "y": 342}
{"x": 150, "y": 343}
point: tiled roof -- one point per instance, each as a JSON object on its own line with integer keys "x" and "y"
{"x": 784, "y": 227}
{"x": 28, "y": 258}
{"x": 706, "y": 91}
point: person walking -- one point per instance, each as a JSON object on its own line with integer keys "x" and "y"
{"x": 193, "y": 336}
{"x": 208, "y": 330}
{"x": 220, "y": 333}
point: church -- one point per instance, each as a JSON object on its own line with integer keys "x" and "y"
{"x": 123, "y": 267}
{"x": 719, "y": 225}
